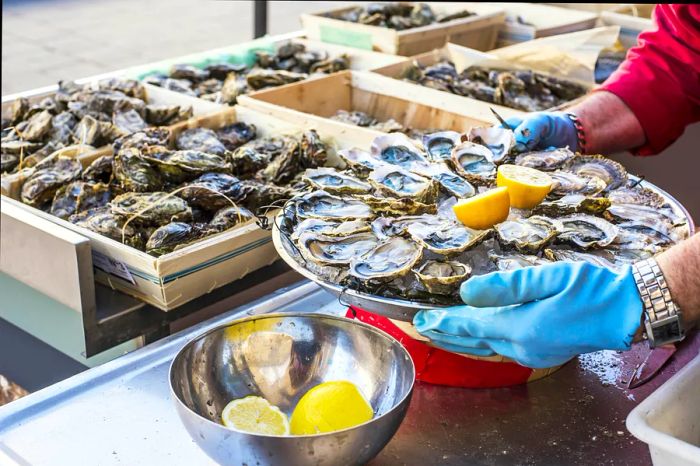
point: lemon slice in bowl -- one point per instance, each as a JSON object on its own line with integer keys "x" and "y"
{"x": 527, "y": 187}
{"x": 255, "y": 415}
{"x": 484, "y": 210}
{"x": 330, "y": 406}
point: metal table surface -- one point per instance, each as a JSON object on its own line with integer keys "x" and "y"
{"x": 121, "y": 412}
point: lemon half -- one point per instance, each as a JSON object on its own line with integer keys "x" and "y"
{"x": 527, "y": 187}
{"x": 256, "y": 415}
{"x": 484, "y": 210}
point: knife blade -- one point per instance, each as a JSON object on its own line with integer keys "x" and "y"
{"x": 652, "y": 364}
{"x": 500, "y": 119}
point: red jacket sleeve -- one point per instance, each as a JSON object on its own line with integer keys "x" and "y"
{"x": 660, "y": 79}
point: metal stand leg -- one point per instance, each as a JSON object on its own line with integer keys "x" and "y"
{"x": 260, "y": 13}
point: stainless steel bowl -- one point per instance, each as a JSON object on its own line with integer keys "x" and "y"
{"x": 280, "y": 357}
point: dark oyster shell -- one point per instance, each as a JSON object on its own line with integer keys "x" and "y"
{"x": 134, "y": 173}
{"x": 208, "y": 191}
{"x": 47, "y": 178}
{"x": 78, "y": 196}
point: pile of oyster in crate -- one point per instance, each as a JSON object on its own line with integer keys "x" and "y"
{"x": 385, "y": 225}
{"x": 223, "y": 82}
{"x": 397, "y": 15}
{"x": 89, "y": 115}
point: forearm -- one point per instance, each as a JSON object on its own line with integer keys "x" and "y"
{"x": 681, "y": 268}
{"x": 608, "y": 123}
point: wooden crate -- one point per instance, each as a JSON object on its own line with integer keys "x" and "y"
{"x": 546, "y": 21}
{"x": 478, "y": 31}
{"x": 630, "y": 26}
{"x": 173, "y": 279}
{"x": 642, "y": 10}
{"x": 381, "y": 97}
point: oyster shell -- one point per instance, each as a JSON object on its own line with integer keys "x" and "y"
{"x": 286, "y": 165}
{"x": 200, "y": 139}
{"x": 42, "y": 184}
{"x": 76, "y": 196}
{"x": 446, "y": 238}
{"x": 439, "y": 145}
{"x": 475, "y": 162}
{"x": 451, "y": 183}
{"x": 335, "y": 182}
{"x": 662, "y": 216}
{"x": 564, "y": 183}
{"x": 359, "y": 161}
{"x": 262, "y": 78}
{"x": 326, "y": 228}
{"x": 166, "y": 238}
{"x": 312, "y": 151}
{"x": 180, "y": 165}
{"x": 229, "y": 217}
{"x": 601, "y": 258}
{"x": 236, "y": 134}
{"x": 396, "y": 182}
{"x": 442, "y": 277}
{"x": 637, "y": 195}
{"x": 384, "y": 227}
{"x": 397, "y": 149}
{"x": 245, "y": 161}
{"x": 391, "y": 258}
{"x": 105, "y": 223}
{"x": 335, "y": 250}
{"x": 527, "y": 235}
{"x": 134, "y": 173}
{"x": 499, "y": 141}
{"x": 547, "y": 160}
{"x": 322, "y": 205}
{"x": 394, "y": 206}
{"x": 571, "y": 204}
{"x": 612, "y": 173}
{"x": 154, "y": 209}
{"x": 99, "y": 169}
{"x": 513, "y": 261}
{"x": 587, "y": 231}
{"x": 211, "y": 190}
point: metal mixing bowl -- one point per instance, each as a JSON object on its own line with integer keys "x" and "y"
{"x": 280, "y": 357}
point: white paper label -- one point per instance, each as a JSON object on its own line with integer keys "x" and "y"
{"x": 112, "y": 266}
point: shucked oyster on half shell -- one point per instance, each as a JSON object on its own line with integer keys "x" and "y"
{"x": 446, "y": 238}
{"x": 602, "y": 257}
{"x": 396, "y": 182}
{"x": 397, "y": 149}
{"x": 359, "y": 161}
{"x": 449, "y": 181}
{"x": 322, "y": 205}
{"x": 384, "y": 227}
{"x": 587, "y": 231}
{"x": 564, "y": 183}
{"x": 328, "y": 228}
{"x": 637, "y": 195}
{"x": 439, "y": 145}
{"x": 442, "y": 277}
{"x": 612, "y": 173}
{"x": 572, "y": 204}
{"x": 513, "y": 260}
{"x": 396, "y": 206}
{"x": 528, "y": 235}
{"x": 392, "y": 258}
{"x": 547, "y": 160}
{"x": 499, "y": 141}
{"x": 335, "y": 250}
{"x": 335, "y": 182}
{"x": 475, "y": 162}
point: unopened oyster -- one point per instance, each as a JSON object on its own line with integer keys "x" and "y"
{"x": 335, "y": 182}
{"x": 168, "y": 237}
{"x": 439, "y": 145}
{"x": 612, "y": 173}
{"x": 104, "y": 222}
{"x": 637, "y": 195}
{"x": 154, "y": 209}
{"x": 335, "y": 250}
{"x": 442, "y": 277}
{"x": 200, "y": 139}
{"x": 284, "y": 166}
{"x": 547, "y": 160}
{"x": 474, "y": 162}
{"x": 134, "y": 173}
{"x": 47, "y": 178}
{"x": 262, "y": 78}
{"x": 99, "y": 169}
{"x": 396, "y": 182}
{"x": 527, "y": 235}
{"x": 320, "y": 204}
{"x": 390, "y": 259}
{"x": 312, "y": 151}
{"x": 499, "y": 141}
{"x": 587, "y": 231}
{"x": 214, "y": 191}
{"x": 397, "y": 149}
{"x": 77, "y": 196}
{"x": 447, "y": 237}
{"x": 236, "y": 134}
{"x": 229, "y": 217}
{"x": 245, "y": 161}
{"x": 181, "y": 165}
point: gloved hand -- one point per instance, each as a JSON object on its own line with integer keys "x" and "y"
{"x": 539, "y": 316}
{"x": 540, "y": 131}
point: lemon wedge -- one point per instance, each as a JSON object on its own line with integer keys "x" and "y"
{"x": 330, "y": 406}
{"x": 256, "y": 415}
{"x": 484, "y": 210}
{"x": 527, "y": 187}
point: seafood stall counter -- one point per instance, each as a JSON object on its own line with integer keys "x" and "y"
{"x": 121, "y": 412}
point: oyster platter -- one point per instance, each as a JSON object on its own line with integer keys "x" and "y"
{"x": 381, "y": 233}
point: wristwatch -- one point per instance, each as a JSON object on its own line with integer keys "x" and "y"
{"x": 662, "y": 316}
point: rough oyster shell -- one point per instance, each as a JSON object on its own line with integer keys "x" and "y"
{"x": 442, "y": 277}
{"x": 104, "y": 222}
{"x": 392, "y": 258}
{"x": 154, "y": 209}
{"x": 335, "y": 182}
{"x": 612, "y": 173}
{"x": 326, "y": 228}
{"x": 359, "y": 161}
{"x": 211, "y": 190}
{"x": 229, "y": 217}
{"x": 564, "y": 183}
{"x": 601, "y": 258}
{"x": 637, "y": 195}
{"x": 166, "y": 238}
{"x": 76, "y": 196}
{"x": 42, "y": 184}
{"x": 447, "y": 237}
{"x": 396, "y": 182}
{"x": 397, "y": 149}
{"x": 474, "y": 162}
{"x": 547, "y": 160}
{"x": 439, "y": 145}
{"x": 499, "y": 141}
{"x": 527, "y": 235}
{"x": 571, "y": 204}
{"x": 322, "y": 205}
{"x": 450, "y": 182}
{"x": 513, "y": 261}
{"x": 335, "y": 250}
{"x": 587, "y": 231}
{"x": 200, "y": 139}
{"x": 134, "y": 173}
{"x": 394, "y": 206}
{"x": 384, "y": 227}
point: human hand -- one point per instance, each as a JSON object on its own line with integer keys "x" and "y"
{"x": 540, "y": 131}
{"x": 539, "y": 316}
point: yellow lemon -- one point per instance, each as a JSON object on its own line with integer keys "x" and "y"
{"x": 328, "y": 407}
{"x": 256, "y": 415}
{"x": 527, "y": 187}
{"x": 484, "y": 210}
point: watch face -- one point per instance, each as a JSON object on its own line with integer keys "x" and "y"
{"x": 667, "y": 330}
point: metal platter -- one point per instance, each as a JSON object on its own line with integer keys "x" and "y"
{"x": 404, "y": 310}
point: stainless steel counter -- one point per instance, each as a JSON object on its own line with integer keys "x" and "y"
{"x": 121, "y": 412}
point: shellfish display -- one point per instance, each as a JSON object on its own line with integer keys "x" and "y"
{"x": 397, "y": 15}
{"x": 383, "y": 224}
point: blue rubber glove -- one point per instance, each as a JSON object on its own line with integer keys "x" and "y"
{"x": 539, "y": 316}
{"x": 540, "y": 131}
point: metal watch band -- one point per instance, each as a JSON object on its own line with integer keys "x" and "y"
{"x": 662, "y": 317}
{"x": 580, "y": 133}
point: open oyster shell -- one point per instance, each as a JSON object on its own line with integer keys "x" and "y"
{"x": 528, "y": 235}
{"x": 335, "y": 250}
{"x": 439, "y": 145}
{"x": 391, "y": 258}
{"x": 475, "y": 162}
{"x": 442, "y": 277}
{"x": 397, "y": 149}
{"x": 499, "y": 141}
{"x": 612, "y": 173}
{"x": 396, "y": 182}
{"x": 587, "y": 231}
{"x": 335, "y": 182}
{"x": 328, "y": 228}
{"x": 547, "y": 160}
{"x": 322, "y": 205}
{"x": 446, "y": 238}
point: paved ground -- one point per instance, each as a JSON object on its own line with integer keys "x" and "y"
{"x": 44, "y": 41}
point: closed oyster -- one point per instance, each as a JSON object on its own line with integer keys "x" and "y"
{"x": 320, "y": 204}
{"x": 236, "y": 134}
{"x": 128, "y": 122}
{"x": 8, "y": 162}
{"x": 37, "y": 126}
{"x": 245, "y": 161}
{"x": 513, "y": 261}
{"x": 396, "y": 182}
{"x": 397, "y": 149}
{"x": 656, "y": 233}
{"x": 446, "y": 238}
{"x": 105, "y": 223}
{"x": 335, "y": 250}
{"x": 99, "y": 169}
{"x": 142, "y": 139}
{"x": 451, "y": 183}
{"x": 547, "y": 160}
{"x": 442, "y": 277}
{"x": 285, "y": 166}
{"x": 154, "y": 209}
{"x": 200, "y": 139}
{"x": 527, "y": 235}
{"x": 439, "y": 145}
{"x": 181, "y": 165}
{"x": 327, "y": 228}
{"x": 572, "y": 204}
{"x": 396, "y": 206}
{"x": 264, "y": 195}
{"x": 79, "y": 195}
{"x": 229, "y": 217}
{"x": 587, "y": 231}
{"x": 214, "y": 191}
{"x": 134, "y": 173}
{"x": 166, "y": 238}
{"x": 262, "y": 78}
{"x": 564, "y": 183}
{"x": 612, "y": 173}
{"x": 499, "y": 141}
{"x": 312, "y": 151}
{"x": 390, "y": 259}
{"x": 359, "y": 161}
{"x": 41, "y": 185}
{"x": 163, "y": 114}
{"x": 335, "y": 182}
{"x": 474, "y": 162}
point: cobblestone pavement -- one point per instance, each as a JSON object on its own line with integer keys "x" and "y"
{"x": 44, "y": 41}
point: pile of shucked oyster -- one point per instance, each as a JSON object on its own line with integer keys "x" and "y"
{"x": 525, "y": 90}
{"x": 385, "y": 225}
{"x": 89, "y": 115}
{"x": 397, "y": 15}
{"x": 159, "y": 192}
{"x": 223, "y": 82}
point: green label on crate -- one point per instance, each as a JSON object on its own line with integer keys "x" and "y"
{"x": 360, "y": 40}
